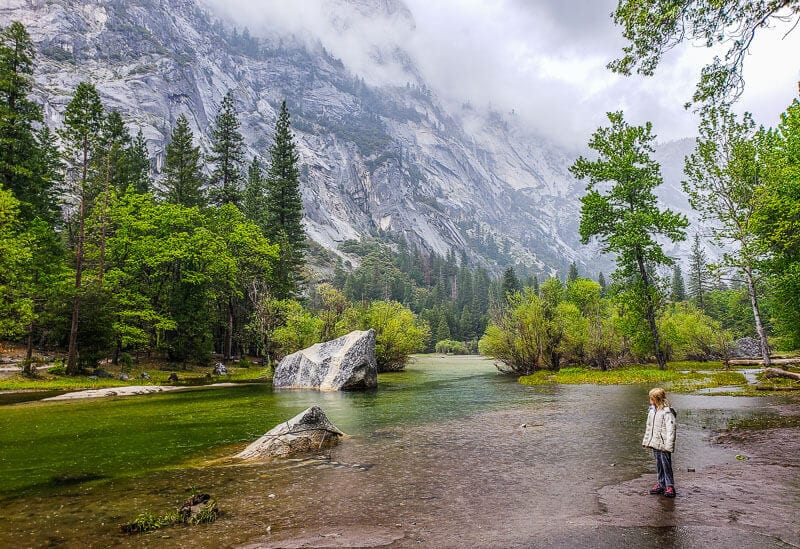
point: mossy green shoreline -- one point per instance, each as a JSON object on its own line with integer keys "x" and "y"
{"x": 674, "y": 379}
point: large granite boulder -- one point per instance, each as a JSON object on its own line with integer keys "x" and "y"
{"x": 308, "y": 431}
{"x": 342, "y": 364}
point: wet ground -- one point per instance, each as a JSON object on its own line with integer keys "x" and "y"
{"x": 440, "y": 458}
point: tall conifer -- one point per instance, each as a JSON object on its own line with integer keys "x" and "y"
{"x": 83, "y": 121}
{"x": 227, "y": 155}
{"x": 18, "y": 114}
{"x": 285, "y": 208}
{"x": 183, "y": 177}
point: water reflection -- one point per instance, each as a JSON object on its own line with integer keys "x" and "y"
{"x": 437, "y": 456}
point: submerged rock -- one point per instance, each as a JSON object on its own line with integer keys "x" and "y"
{"x": 345, "y": 363}
{"x": 308, "y": 431}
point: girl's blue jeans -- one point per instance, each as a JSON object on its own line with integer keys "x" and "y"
{"x": 664, "y": 466}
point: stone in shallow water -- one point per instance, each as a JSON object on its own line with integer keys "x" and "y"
{"x": 308, "y": 431}
{"x": 342, "y": 364}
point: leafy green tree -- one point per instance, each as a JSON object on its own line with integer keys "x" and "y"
{"x": 334, "y": 304}
{"x": 16, "y": 308}
{"x": 653, "y": 27}
{"x": 724, "y": 176}
{"x": 83, "y": 122}
{"x": 183, "y": 177}
{"x": 699, "y": 283}
{"x": 18, "y": 115}
{"x": 626, "y": 218}
{"x": 398, "y": 333}
{"x": 776, "y": 222}
{"x": 678, "y": 290}
{"x": 227, "y": 155}
{"x": 284, "y": 207}
{"x": 692, "y": 335}
{"x": 299, "y": 331}
{"x": 516, "y": 335}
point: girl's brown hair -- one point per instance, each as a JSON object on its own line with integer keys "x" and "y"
{"x": 659, "y": 397}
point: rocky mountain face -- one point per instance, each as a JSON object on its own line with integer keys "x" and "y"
{"x": 375, "y": 159}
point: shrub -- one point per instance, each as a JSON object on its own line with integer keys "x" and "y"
{"x": 448, "y": 346}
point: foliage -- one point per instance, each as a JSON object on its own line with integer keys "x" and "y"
{"x": 672, "y": 379}
{"x": 398, "y": 333}
{"x": 448, "y": 346}
{"x": 678, "y": 289}
{"x": 284, "y": 209}
{"x": 699, "y": 283}
{"x": 626, "y": 218}
{"x": 183, "y": 178}
{"x": 300, "y": 328}
{"x": 724, "y": 176}
{"x": 691, "y": 335}
{"x": 776, "y": 223}
{"x": 227, "y": 155}
{"x": 16, "y": 304}
{"x": 653, "y": 27}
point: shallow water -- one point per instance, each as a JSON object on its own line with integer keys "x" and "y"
{"x": 436, "y": 456}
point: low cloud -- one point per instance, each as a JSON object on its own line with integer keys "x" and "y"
{"x": 545, "y": 61}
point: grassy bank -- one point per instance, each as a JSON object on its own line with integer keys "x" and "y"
{"x": 46, "y": 381}
{"x": 676, "y": 377}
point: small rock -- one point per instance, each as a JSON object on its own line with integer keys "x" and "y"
{"x": 220, "y": 369}
{"x": 172, "y": 377}
{"x": 124, "y": 377}
{"x": 271, "y": 496}
{"x": 690, "y": 470}
{"x": 613, "y": 464}
{"x": 144, "y": 375}
{"x": 524, "y": 425}
{"x": 94, "y": 378}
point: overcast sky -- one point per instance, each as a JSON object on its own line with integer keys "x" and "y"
{"x": 545, "y": 59}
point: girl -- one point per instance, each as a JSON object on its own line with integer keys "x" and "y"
{"x": 660, "y": 436}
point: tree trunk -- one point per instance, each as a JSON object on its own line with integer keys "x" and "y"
{"x": 762, "y": 334}
{"x": 777, "y": 372}
{"x": 72, "y": 354}
{"x": 229, "y": 335}
{"x": 103, "y": 226}
{"x": 650, "y": 313}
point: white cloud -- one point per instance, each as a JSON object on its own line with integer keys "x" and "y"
{"x": 545, "y": 60}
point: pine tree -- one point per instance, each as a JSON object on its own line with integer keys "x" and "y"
{"x": 285, "y": 208}
{"x": 601, "y": 279}
{"x": 138, "y": 165}
{"x": 83, "y": 122}
{"x": 227, "y": 155}
{"x": 511, "y": 283}
{"x": 183, "y": 178}
{"x": 18, "y": 114}
{"x": 255, "y": 197}
{"x": 678, "y": 292}
{"x": 573, "y": 272}
{"x": 699, "y": 282}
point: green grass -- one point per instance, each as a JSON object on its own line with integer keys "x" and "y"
{"x": 48, "y": 382}
{"x": 672, "y": 378}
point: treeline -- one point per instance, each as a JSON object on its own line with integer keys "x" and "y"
{"x": 97, "y": 258}
{"x": 744, "y": 181}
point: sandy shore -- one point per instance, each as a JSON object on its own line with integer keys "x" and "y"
{"x": 129, "y": 390}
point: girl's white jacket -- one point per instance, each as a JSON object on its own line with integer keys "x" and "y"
{"x": 660, "y": 431}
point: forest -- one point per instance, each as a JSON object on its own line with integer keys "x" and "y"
{"x": 102, "y": 262}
